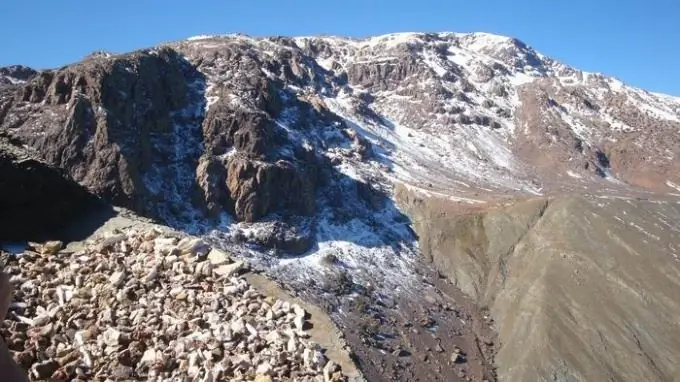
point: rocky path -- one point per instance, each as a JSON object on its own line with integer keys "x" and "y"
{"x": 149, "y": 305}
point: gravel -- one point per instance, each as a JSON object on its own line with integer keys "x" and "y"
{"x": 145, "y": 305}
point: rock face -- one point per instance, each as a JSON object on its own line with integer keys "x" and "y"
{"x": 287, "y": 142}
{"x": 35, "y": 197}
{"x": 258, "y": 189}
{"x": 15, "y": 74}
{"x": 573, "y": 282}
{"x": 112, "y": 124}
{"x": 251, "y": 127}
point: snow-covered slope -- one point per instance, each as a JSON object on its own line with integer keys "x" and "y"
{"x": 451, "y": 109}
{"x": 297, "y": 143}
{"x": 467, "y": 116}
{"x": 291, "y": 152}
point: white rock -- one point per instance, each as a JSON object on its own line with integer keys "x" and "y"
{"x": 228, "y": 270}
{"x": 149, "y": 357}
{"x": 264, "y": 368}
{"x": 164, "y": 245}
{"x": 292, "y": 345}
{"x": 217, "y": 257}
{"x": 299, "y": 322}
{"x": 192, "y": 246}
{"x": 328, "y": 370}
{"x": 117, "y": 279}
{"x": 313, "y": 359}
{"x": 112, "y": 240}
{"x": 111, "y": 337}
{"x": 277, "y": 305}
{"x": 273, "y": 337}
{"x": 297, "y": 309}
{"x": 41, "y": 320}
{"x": 237, "y": 326}
{"x": 251, "y": 329}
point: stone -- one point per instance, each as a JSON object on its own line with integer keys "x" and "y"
{"x": 328, "y": 370}
{"x": 273, "y": 337}
{"x": 238, "y": 326}
{"x": 299, "y": 322}
{"x": 111, "y": 241}
{"x": 117, "y": 278}
{"x": 291, "y": 346}
{"x": 149, "y": 357}
{"x": 264, "y": 368}
{"x": 456, "y": 358}
{"x": 229, "y": 270}
{"x": 111, "y": 337}
{"x": 218, "y": 257}
{"x": 121, "y": 322}
{"x": 44, "y": 370}
{"x": 192, "y": 246}
{"x": 122, "y": 372}
{"x": 51, "y": 247}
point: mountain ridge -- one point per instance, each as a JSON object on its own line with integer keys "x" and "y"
{"x": 292, "y": 153}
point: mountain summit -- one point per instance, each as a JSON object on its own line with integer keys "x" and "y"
{"x": 353, "y": 167}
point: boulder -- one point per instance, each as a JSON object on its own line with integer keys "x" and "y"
{"x": 259, "y": 188}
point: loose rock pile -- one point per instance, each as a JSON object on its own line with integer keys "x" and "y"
{"x": 149, "y": 306}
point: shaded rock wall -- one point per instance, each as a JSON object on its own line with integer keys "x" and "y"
{"x": 36, "y": 199}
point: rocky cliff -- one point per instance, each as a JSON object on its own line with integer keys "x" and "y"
{"x": 282, "y": 146}
{"x": 268, "y": 116}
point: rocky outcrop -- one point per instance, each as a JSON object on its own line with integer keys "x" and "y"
{"x": 109, "y": 122}
{"x": 254, "y": 126}
{"x": 36, "y": 199}
{"x": 572, "y": 282}
{"x": 260, "y": 188}
{"x": 211, "y": 176}
{"x": 248, "y": 131}
{"x": 15, "y": 74}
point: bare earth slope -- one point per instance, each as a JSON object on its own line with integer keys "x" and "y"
{"x": 582, "y": 288}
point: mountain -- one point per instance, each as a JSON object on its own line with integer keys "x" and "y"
{"x": 351, "y": 168}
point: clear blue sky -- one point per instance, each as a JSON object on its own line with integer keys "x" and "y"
{"x": 637, "y": 41}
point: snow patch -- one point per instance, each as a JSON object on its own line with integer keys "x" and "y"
{"x": 201, "y": 37}
{"x": 574, "y": 174}
{"x": 672, "y": 185}
{"x": 15, "y": 81}
{"x": 433, "y": 62}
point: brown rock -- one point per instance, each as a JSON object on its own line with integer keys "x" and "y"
{"x": 259, "y": 188}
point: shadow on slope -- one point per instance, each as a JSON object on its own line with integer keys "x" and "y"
{"x": 38, "y": 202}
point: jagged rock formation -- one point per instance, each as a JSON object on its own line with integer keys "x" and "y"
{"x": 113, "y": 124}
{"x": 15, "y": 74}
{"x": 297, "y": 144}
{"x": 267, "y": 116}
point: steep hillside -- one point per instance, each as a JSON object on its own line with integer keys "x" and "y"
{"x": 287, "y": 151}
{"x": 582, "y": 288}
